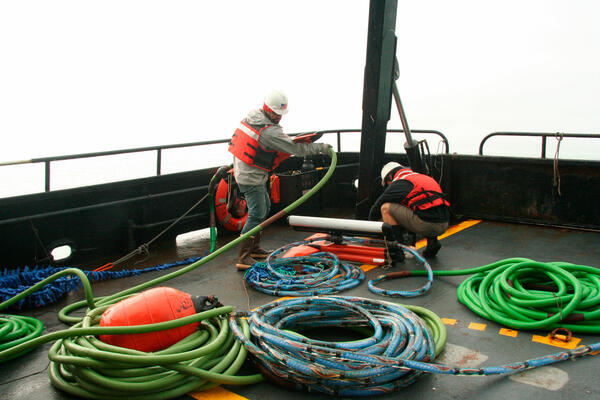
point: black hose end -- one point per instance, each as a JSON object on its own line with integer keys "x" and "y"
{"x": 220, "y": 174}
{"x": 203, "y": 303}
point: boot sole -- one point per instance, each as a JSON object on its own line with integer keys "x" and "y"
{"x": 242, "y": 267}
{"x": 259, "y": 256}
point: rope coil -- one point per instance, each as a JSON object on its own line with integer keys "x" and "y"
{"x": 356, "y": 368}
{"x": 399, "y": 343}
{"x": 315, "y": 274}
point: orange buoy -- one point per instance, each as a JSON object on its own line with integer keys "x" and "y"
{"x": 151, "y": 306}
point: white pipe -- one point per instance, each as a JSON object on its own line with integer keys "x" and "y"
{"x": 335, "y": 224}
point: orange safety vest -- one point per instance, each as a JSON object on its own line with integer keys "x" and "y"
{"x": 426, "y": 192}
{"x": 244, "y": 145}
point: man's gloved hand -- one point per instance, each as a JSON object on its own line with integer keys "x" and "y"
{"x": 323, "y": 148}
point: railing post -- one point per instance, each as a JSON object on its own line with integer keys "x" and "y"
{"x": 47, "y": 178}
{"x": 158, "y": 161}
{"x": 339, "y": 141}
{"x": 543, "y": 146}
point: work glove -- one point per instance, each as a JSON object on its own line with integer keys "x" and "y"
{"x": 323, "y": 148}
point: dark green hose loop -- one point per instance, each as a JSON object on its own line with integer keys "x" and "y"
{"x": 82, "y": 365}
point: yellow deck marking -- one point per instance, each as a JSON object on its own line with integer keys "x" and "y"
{"x": 508, "y": 332}
{"x": 460, "y": 227}
{"x": 368, "y": 267}
{"x": 449, "y": 321}
{"x": 477, "y": 327}
{"x": 557, "y": 343}
{"x": 216, "y": 393}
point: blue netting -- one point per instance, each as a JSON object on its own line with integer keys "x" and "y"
{"x": 15, "y": 281}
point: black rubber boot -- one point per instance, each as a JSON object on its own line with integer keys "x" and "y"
{"x": 398, "y": 254}
{"x": 409, "y": 239}
{"x": 433, "y": 246}
{"x": 403, "y": 236}
{"x": 399, "y": 232}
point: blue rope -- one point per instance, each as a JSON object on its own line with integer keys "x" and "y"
{"x": 322, "y": 273}
{"x": 353, "y": 368}
{"x": 398, "y": 350}
{"x": 315, "y": 274}
{"x": 15, "y": 281}
{"x": 403, "y": 293}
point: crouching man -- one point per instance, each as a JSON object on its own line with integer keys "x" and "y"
{"x": 413, "y": 204}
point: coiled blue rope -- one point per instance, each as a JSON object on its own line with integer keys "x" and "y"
{"x": 398, "y": 349}
{"x": 322, "y": 273}
{"x": 316, "y": 274}
{"x": 362, "y": 367}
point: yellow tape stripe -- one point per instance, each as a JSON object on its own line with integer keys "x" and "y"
{"x": 216, "y": 393}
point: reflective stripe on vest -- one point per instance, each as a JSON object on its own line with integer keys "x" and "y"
{"x": 426, "y": 192}
{"x": 244, "y": 145}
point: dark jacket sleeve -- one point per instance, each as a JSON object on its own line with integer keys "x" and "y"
{"x": 394, "y": 193}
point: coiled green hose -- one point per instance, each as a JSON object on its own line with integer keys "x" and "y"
{"x": 525, "y": 294}
{"x": 84, "y": 366}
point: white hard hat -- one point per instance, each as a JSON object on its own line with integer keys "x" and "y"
{"x": 277, "y": 101}
{"x": 387, "y": 168}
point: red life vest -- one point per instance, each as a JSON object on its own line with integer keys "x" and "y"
{"x": 244, "y": 145}
{"x": 426, "y": 192}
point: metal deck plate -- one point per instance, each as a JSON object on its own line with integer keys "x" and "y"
{"x": 472, "y": 341}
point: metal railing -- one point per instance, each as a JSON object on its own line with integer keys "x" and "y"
{"x": 159, "y": 149}
{"x": 544, "y": 136}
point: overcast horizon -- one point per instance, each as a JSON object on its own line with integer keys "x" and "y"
{"x": 80, "y": 76}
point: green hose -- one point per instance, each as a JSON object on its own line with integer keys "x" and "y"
{"x": 435, "y": 325}
{"x": 84, "y": 366}
{"x": 525, "y": 294}
{"x": 16, "y": 329}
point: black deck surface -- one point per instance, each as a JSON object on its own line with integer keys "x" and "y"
{"x": 483, "y": 243}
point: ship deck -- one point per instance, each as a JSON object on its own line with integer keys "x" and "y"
{"x": 472, "y": 340}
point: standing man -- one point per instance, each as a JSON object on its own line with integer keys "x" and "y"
{"x": 412, "y": 202}
{"x": 258, "y": 146}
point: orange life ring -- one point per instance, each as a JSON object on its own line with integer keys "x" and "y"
{"x": 232, "y": 215}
